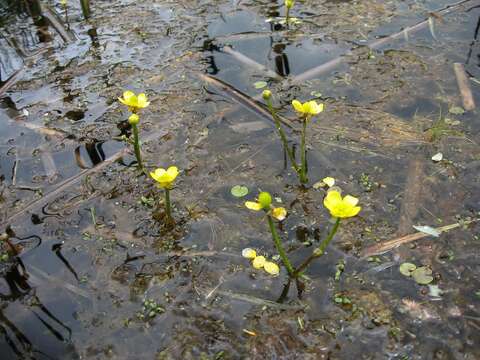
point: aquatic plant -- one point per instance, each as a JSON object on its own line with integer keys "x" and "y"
{"x": 264, "y": 202}
{"x": 340, "y": 208}
{"x": 267, "y": 96}
{"x": 165, "y": 180}
{"x": 305, "y": 112}
{"x": 135, "y": 104}
{"x": 288, "y": 5}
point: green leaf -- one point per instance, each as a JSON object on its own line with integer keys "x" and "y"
{"x": 260, "y": 84}
{"x": 239, "y": 191}
{"x": 407, "y": 268}
{"x": 422, "y": 275}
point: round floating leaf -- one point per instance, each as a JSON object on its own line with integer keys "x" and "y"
{"x": 260, "y": 84}
{"x": 407, "y": 268}
{"x": 422, "y": 275}
{"x": 239, "y": 191}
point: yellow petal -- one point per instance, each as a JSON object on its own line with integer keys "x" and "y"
{"x": 252, "y": 205}
{"x": 142, "y": 101}
{"x": 172, "y": 173}
{"x": 271, "y": 268}
{"x": 313, "y": 108}
{"x": 158, "y": 174}
{"x": 297, "y": 105}
{"x": 354, "y": 211}
{"x": 279, "y": 213}
{"x": 329, "y": 181}
{"x": 249, "y": 253}
{"x": 332, "y": 200}
{"x": 350, "y": 200}
{"x": 258, "y": 262}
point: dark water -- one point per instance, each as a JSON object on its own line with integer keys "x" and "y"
{"x": 94, "y": 257}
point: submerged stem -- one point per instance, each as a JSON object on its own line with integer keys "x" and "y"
{"x": 283, "y": 137}
{"x": 278, "y": 245}
{"x": 168, "y": 208}
{"x": 318, "y": 251}
{"x": 136, "y": 146}
{"x": 303, "y": 154}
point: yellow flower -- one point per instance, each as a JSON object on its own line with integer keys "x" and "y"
{"x": 279, "y": 213}
{"x": 165, "y": 178}
{"x": 133, "y": 101}
{"x": 289, "y": 3}
{"x": 309, "y": 108}
{"x": 249, "y": 253}
{"x": 259, "y": 262}
{"x": 271, "y": 268}
{"x": 264, "y": 202}
{"x": 341, "y": 208}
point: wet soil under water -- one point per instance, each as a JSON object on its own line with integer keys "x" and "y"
{"x": 98, "y": 274}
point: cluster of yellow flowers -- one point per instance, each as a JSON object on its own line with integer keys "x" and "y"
{"x": 260, "y": 262}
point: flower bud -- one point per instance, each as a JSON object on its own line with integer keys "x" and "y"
{"x": 266, "y": 94}
{"x": 289, "y": 3}
{"x": 265, "y": 200}
{"x": 134, "y": 119}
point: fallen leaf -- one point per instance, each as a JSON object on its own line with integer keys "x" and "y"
{"x": 437, "y": 157}
{"x": 427, "y": 230}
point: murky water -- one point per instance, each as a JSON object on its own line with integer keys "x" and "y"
{"x": 99, "y": 276}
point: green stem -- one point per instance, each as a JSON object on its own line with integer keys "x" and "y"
{"x": 303, "y": 153}
{"x": 318, "y": 251}
{"x": 136, "y": 146}
{"x": 287, "y": 16}
{"x": 168, "y": 208}
{"x": 282, "y": 135}
{"x": 278, "y": 245}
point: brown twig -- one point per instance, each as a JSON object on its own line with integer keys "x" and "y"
{"x": 464, "y": 87}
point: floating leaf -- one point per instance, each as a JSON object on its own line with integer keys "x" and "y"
{"x": 437, "y": 157}
{"x": 407, "y": 268}
{"x": 317, "y": 94}
{"x": 239, "y": 191}
{"x": 260, "y": 84}
{"x": 456, "y": 110}
{"x": 422, "y": 275}
{"x": 427, "y": 230}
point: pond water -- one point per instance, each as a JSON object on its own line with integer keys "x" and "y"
{"x": 98, "y": 273}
